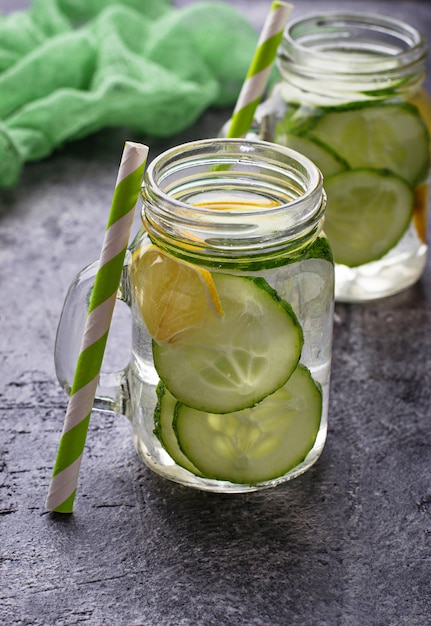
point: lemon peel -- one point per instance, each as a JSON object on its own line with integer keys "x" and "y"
{"x": 172, "y": 295}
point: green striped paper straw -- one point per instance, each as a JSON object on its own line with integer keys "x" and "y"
{"x": 260, "y": 69}
{"x": 64, "y": 479}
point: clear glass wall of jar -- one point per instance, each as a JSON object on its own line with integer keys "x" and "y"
{"x": 351, "y": 98}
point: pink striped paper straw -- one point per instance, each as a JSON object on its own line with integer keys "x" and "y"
{"x": 64, "y": 479}
{"x": 260, "y": 69}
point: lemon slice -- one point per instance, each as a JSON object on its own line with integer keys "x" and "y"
{"x": 172, "y": 296}
{"x": 420, "y": 212}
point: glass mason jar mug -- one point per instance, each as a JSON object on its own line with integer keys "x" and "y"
{"x": 350, "y": 97}
{"x": 230, "y": 287}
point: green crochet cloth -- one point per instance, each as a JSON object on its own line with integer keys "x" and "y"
{"x": 69, "y": 68}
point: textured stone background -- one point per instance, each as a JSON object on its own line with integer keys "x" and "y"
{"x": 346, "y": 544}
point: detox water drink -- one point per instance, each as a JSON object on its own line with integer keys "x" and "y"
{"x": 230, "y": 284}
{"x": 350, "y": 97}
{"x": 230, "y": 287}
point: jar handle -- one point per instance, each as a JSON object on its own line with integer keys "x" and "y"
{"x": 112, "y": 391}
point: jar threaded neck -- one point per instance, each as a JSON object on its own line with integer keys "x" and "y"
{"x": 353, "y": 50}
{"x": 231, "y": 198}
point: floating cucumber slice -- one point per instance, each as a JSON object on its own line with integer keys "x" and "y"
{"x": 378, "y": 136}
{"x": 368, "y": 212}
{"x": 235, "y": 360}
{"x": 326, "y": 159}
{"x": 163, "y": 416}
{"x": 257, "y": 444}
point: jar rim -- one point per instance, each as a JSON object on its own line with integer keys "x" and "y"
{"x": 313, "y": 40}
{"x": 244, "y": 147}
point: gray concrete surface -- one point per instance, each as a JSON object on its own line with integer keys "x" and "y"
{"x": 347, "y": 544}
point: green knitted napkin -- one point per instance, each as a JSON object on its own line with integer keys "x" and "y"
{"x": 69, "y": 68}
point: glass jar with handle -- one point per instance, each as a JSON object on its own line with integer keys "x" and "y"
{"x": 230, "y": 286}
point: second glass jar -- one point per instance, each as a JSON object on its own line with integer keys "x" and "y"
{"x": 351, "y": 98}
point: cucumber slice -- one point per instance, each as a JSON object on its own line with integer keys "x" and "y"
{"x": 384, "y": 136}
{"x": 163, "y": 416}
{"x": 235, "y": 360}
{"x": 298, "y": 119}
{"x": 258, "y": 444}
{"x": 326, "y": 159}
{"x": 368, "y": 212}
